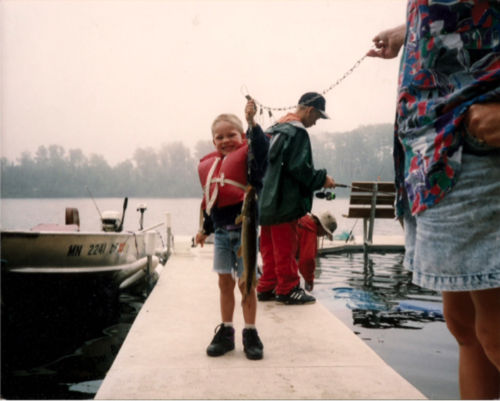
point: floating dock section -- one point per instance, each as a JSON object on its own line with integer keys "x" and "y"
{"x": 308, "y": 352}
{"x": 379, "y": 244}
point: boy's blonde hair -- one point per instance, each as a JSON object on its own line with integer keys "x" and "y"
{"x": 231, "y": 119}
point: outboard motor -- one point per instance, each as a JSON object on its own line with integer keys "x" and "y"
{"x": 111, "y": 221}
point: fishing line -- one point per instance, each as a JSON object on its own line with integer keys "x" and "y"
{"x": 349, "y": 236}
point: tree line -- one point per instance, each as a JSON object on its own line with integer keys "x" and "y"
{"x": 170, "y": 171}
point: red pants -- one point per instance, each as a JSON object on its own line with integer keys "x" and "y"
{"x": 278, "y": 247}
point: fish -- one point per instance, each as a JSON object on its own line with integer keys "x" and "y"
{"x": 248, "y": 248}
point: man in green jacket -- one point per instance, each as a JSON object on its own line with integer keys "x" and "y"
{"x": 287, "y": 195}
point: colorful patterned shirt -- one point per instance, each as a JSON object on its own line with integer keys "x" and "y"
{"x": 451, "y": 60}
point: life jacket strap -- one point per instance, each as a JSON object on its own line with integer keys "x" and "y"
{"x": 223, "y": 181}
{"x": 201, "y": 218}
{"x": 209, "y": 201}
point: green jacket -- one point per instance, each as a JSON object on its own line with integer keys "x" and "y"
{"x": 290, "y": 179}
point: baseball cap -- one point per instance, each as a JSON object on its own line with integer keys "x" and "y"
{"x": 315, "y": 100}
{"x": 328, "y": 222}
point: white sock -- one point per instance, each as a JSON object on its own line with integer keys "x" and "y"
{"x": 249, "y": 326}
{"x": 229, "y": 324}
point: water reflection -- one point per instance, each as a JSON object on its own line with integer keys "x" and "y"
{"x": 403, "y": 323}
{"x": 396, "y": 319}
{"x": 62, "y": 356}
{"x": 380, "y": 292}
{"x": 382, "y": 277}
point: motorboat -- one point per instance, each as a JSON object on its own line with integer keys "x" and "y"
{"x": 63, "y": 258}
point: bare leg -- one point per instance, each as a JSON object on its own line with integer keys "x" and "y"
{"x": 227, "y": 301}
{"x": 478, "y": 376}
{"x": 487, "y": 305}
{"x": 250, "y": 305}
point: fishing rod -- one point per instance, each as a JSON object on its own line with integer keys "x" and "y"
{"x": 363, "y": 189}
{"x": 329, "y": 196}
{"x": 88, "y": 190}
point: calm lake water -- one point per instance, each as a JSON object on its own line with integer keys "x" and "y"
{"x": 364, "y": 293}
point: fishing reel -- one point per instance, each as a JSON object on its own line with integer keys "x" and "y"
{"x": 329, "y": 196}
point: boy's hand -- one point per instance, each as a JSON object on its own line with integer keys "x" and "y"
{"x": 329, "y": 182}
{"x": 200, "y": 239}
{"x": 250, "y": 111}
{"x": 483, "y": 122}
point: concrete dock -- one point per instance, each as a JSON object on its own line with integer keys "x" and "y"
{"x": 308, "y": 352}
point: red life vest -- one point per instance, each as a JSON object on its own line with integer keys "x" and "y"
{"x": 224, "y": 179}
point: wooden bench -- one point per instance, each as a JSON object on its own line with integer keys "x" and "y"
{"x": 371, "y": 200}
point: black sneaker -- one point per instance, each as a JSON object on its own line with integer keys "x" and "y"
{"x": 266, "y": 295}
{"x": 252, "y": 345}
{"x": 295, "y": 297}
{"x": 222, "y": 342}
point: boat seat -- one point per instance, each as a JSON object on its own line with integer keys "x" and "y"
{"x": 72, "y": 223}
{"x": 368, "y": 204}
{"x": 72, "y": 216}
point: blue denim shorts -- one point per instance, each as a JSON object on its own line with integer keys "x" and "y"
{"x": 226, "y": 245}
{"x": 455, "y": 244}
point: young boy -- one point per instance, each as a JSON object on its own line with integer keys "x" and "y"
{"x": 224, "y": 174}
{"x": 310, "y": 228}
{"x": 286, "y": 197}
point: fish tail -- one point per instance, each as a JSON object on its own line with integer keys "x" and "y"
{"x": 244, "y": 298}
{"x": 244, "y": 277}
{"x": 255, "y": 281}
{"x": 243, "y": 281}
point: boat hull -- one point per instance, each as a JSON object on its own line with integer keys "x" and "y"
{"x": 52, "y": 266}
{"x": 69, "y": 252}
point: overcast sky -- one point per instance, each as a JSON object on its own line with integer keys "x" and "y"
{"x": 110, "y": 76}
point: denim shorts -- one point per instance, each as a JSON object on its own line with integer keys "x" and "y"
{"x": 226, "y": 245}
{"x": 455, "y": 244}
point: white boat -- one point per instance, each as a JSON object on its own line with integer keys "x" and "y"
{"x": 62, "y": 257}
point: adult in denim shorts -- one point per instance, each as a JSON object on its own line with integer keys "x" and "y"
{"x": 447, "y": 160}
